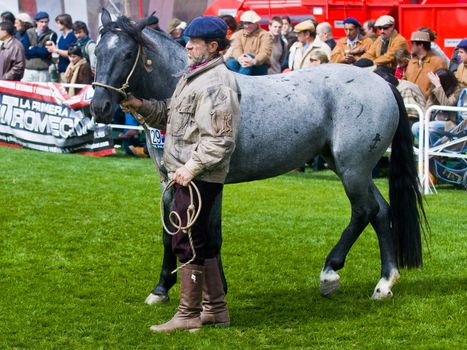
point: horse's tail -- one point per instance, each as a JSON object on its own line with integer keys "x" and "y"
{"x": 404, "y": 194}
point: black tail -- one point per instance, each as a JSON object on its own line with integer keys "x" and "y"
{"x": 404, "y": 194}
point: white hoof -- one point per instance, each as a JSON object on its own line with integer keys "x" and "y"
{"x": 329, "y": 282}
{"x": 384, "y": 286}
{"x": 156, "y": 299}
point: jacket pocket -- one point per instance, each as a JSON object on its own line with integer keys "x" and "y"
{"x": 182, "y": 118}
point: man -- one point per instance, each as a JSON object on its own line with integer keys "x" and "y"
{"x": 85, "y": 43}
{"x": 38, "y": 58}
{"x": 461, "y": 73}
{"x": 12, "y": 60}
{"x": 287, "y": 31}
{"x": 201, "y": 121}
{"x": 307, "y": 43}
{"x": 353, "y": 46}
{"x": 175, "y": 29}
{"x": 251, "y": 47}
{"x": 153, "y": 23}
{"x": 324, "y": 31}
{"x": 382, "y": 51}
{"x": 423, "y": 62}
{"x": 369, "y": 30}
{"x": 279, "y": 46}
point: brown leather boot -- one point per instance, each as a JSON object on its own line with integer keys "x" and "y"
{"x": 188, "y": 314}
{"x": 215, "y": 311}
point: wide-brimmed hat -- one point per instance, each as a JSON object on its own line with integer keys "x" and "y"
{"x": 250, "y": 16}
{"x": 420, "y": 36}
{"x": 305, "y": 25}
{"x": 384, "y": 21}
{"x": 173, "y": 24}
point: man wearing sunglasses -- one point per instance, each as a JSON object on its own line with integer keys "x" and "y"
{"x": 382, "y": 51}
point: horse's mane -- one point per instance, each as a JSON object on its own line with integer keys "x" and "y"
{"x": 124, "y": 24}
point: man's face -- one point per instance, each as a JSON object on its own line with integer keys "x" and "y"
{"x": 176, "y": 33}
{"x": 74, "y": 58}
{"x": 42, "y": 24}
{"x": 197, "y": 51}
{"x": 463, "y": 55}
{"x": 416, "y": 47}
{"x": 351, "y": 31}
{"x": 275, "y": 28}
{"x": 366, "y": 29}
{"x": 323, "y": 35}
{"x": 249, "y": 27}
{"x": 285, "y": 26}
{"x": 80, "y": 34}
{"x": 303, "y": 37}
{"x": 386, "y": 31}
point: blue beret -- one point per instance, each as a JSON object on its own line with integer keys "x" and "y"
{"x": 463, "y": 44}
{"x": 353, "y": 21}
{"x": 206, "y": 27}
{"x": 41, "y": 15}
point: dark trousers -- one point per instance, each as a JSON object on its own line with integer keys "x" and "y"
{"x": 199, "y": 231}
{"x": 233, "y": 65}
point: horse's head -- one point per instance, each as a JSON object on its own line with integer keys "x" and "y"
{"x": 118, "y": 52}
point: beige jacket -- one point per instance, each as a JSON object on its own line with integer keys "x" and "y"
{"x": 396, "y": 42}
{"x": 417, "y": 71}
{"x": 201, "y": 121}
{"x": 299, "y": 59}
{"x": 258, "y": 43}
{"x": 338, "y": 54}
{"x": 461, "y": 74}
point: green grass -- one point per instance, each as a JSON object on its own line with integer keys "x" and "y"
{"x": 80, "y": 249}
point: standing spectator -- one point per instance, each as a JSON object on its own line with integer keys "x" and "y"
{"x": 423, "y": 62}
{"x": 369, "y": 30}
{"x": 434, "y": 46}
{"x": 251, "y": 47}
{"x": 78, "y": 71}
{"x": 7, "y": 16}
{"x": 85, "y": 43}
{"x": 175, "y": 29}
{"x": 66, "y": 39}
{"x": 152, "y": 23}
{"x": 287, "y": 31}
{"x": 382, "y": 51}
{"x": 461, "y": 73}
{"x": 22, "y": 23}
{"x": 307, "y": 43}
{"x": 324, "y": 32}
{"x": 279, "y": 47}
{"x": 353, "y": 46}
{"x": 402, "y": 58}
{"x": 38, "y": 58}
{"x": 12, "y": 60}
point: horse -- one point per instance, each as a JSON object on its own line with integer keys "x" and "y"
{"x": 346, "y": 114}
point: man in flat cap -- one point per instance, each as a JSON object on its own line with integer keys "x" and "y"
{"x": 251, "y": 47}
{"x": 37, "y": 55}
{"x": 461, "y": 73}
{"x": 201, "y": 122}
{"x": 382, "y": 51}
{"x": 423, "y": 62}
{"x": 353, "y": 46}
{"x": 306, "y": 44}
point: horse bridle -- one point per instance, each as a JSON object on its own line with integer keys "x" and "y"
{"x": 126, "y": 84}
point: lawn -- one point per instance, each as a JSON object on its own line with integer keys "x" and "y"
{"x": 80, "y": 249}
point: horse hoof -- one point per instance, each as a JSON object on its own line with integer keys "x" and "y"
{"x": 383, "y": 288}
{"x": 329, "y": 282}
{"x": 156, "y": 299}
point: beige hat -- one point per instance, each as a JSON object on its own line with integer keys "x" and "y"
{"x": 384, "y": 21}
{"x": 250, "y": 16}
{"x": 24, "y": 17}
{"x": 305, "y": 25}
{"x": 173, "y": 24}
{"x": 420, "y": 36}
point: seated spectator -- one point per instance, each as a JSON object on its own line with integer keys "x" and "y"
{"x": 353, "y": 46}
{"x": 22, "y": 23}
{"x": 12, "y": 60}
{"x": 423, "y": 62}
{"x": 434, "y": 46}
{"x": 175, "y": 29}
{"x": 38, "y": 58}
{"x": 307, "y": 43}
{"x": 454, "y": 62}
{"x": 444, "y": 91}
{"x": 78, "y": 71}
{"x": 317, "y": 58}
{"x": 382, "y": 51}
{"x": 279, "y": 47}
{"x": 461, "y": 73}
{"x": 66, "y": 39}
{"x": 287, "y": 31}
{"x": 251, "y": 47}
{"x": 85, "y": 43}
{"x": 324, "y": 32}
{"x": 369, "y": 30}
{"x": 402, "y": 58}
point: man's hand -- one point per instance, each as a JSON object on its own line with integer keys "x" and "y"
{"x": 130, "y": 102}
{"x": 349, "y": 59}
{"x": 245, "y": 61}
{"x": 183, "y": 176}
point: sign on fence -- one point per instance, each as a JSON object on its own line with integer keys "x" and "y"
{"x": 45, "y": 118}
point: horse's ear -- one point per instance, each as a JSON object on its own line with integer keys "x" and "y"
{"x": 143, "y": 23}
{"x": 105, "y": 17}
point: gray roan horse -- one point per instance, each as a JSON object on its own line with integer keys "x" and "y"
{"x": 346, "y": 114}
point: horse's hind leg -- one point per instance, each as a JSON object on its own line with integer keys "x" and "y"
{"x": 364, "y": 208}
{"x": 389, "y": 270}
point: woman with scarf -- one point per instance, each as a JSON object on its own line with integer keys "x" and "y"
{"x": 78, "y": 71}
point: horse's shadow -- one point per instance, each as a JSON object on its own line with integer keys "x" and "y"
{"x": 293, "y": 307}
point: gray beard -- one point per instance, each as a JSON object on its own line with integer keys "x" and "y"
{"x": 198, "y": 60}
